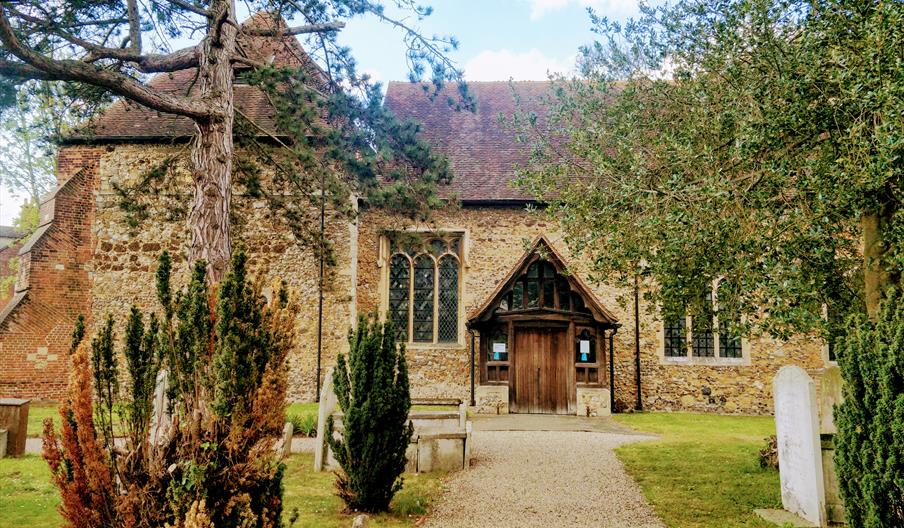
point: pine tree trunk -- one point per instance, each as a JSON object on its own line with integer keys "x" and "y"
{"x": 212, "y": 149}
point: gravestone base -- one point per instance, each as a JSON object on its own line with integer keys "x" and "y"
{"x": 784, "y": 518}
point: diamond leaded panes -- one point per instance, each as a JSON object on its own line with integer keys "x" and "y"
{"x": 447, "y": 322}
{"x": 422, "y": 330}
{"x": 399, "y": 288}
{"x": 424, "y": 276}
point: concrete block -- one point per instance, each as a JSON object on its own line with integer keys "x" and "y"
{"x": 491, "y": 399}
{"x": 592, "y": 401}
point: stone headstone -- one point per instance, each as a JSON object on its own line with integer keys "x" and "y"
{"x": 360, "y": 521}
{"x": 328, "y": 403}
{"x": 799, "y": 451}
{"x": 285, "y": 443}
{"x": 830, "y": 395}
{"x": 161, "y": 421}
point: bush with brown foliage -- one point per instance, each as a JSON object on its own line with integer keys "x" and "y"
{"x": 224, "y": 353}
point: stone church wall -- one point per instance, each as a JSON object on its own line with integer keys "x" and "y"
{"x": 90, "y": 260}
{"x": 124, "y": 258}
{"x": 496, "y": 238}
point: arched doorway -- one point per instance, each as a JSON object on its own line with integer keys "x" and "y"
{"x": 543, "y": 335}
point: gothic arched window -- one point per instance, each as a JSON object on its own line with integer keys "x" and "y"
{"x": 424, "y": 278}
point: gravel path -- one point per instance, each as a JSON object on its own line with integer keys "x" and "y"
{"x": 547, "y": 479}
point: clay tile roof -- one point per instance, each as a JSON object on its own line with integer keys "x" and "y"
{"x": 9, "y": 232}
{"x": 483, "y": 151}
{"x": 126, "y": 120}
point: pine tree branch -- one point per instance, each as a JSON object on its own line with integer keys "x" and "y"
{"x": 296, "y": 30}
{"x": 190, "y": 7}
{"x": 79, "y": 71}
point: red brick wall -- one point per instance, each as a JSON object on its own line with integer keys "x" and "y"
{"x": 53, "y": 286}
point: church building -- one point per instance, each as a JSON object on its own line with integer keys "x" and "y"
{"x": 493, "y": 306}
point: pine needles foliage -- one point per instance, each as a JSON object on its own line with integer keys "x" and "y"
{"x": 869, "y": 453}
{"x": 374, "y": 395}
{"x": 224, "y": 354}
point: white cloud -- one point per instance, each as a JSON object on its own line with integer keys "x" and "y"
{"x": 502, "y": 65}
{"x": 610, "y": 8}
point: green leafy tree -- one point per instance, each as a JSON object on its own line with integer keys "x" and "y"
{"x": 870, "y": 445}
{"x": 759, "y": 140}
{"x": 373, "y": 393}
{"x": 215, "y": 464}
{"x": 113, "y": 47}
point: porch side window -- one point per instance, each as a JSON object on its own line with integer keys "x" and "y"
{"x": 424, "y": 282}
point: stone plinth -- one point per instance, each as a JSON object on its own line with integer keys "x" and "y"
{"x": 14, "y": 418}
{"x": 491, "y": 399}
{"x": 592, "y": 401}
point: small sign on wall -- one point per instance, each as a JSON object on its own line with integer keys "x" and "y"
{"x": 584, "y": 349}
{"x": 499, "y": 350}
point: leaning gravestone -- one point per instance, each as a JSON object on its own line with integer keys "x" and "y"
{"x": 799, "y": 451}
{"x": 328, "y": 403}
{"x": 162, "y": 420}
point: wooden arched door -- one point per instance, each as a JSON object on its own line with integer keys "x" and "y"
{"x": 543, "y": 379}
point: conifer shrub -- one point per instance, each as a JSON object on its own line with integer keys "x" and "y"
{"x": 373, "y": 393}
{"x": 869, "y": 446}
{"x": 224, "y": 352}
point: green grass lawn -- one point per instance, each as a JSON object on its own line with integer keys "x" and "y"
{"x": 29, "y": 500}
{"x": 703, "y": 471}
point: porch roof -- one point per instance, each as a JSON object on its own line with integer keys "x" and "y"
{"x": 597, "y": 310}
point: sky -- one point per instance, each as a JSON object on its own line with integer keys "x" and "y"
{"x": 499, "y": 40}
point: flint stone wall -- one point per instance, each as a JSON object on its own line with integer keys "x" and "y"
{"x": 124, "y": 258}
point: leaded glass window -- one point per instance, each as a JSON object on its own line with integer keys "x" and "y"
{"x": 424, "y": 278}
{"x": 703, "y": 333}
{"x": 675, "y": 337}
{"x": 541, "y": 286}
{"x": 422, "y": 324}
{"x": 399, "y": 288}
{"x": 729, "y": 344}
{"x": 448, "y": 299}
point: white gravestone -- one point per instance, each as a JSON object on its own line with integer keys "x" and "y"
{"x": 328, "y": 404}
{"x": 799, "y": 452}
{"x": 162, "y": 420}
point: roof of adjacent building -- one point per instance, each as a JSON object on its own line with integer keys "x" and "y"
{"x": 9, "y": 232}
{"x": 483, "y": 150}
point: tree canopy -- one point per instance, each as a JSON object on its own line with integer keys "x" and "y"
{"x": 754, "y": 142}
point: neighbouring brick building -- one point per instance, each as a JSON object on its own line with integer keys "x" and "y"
{"x": 480, "y": 291}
